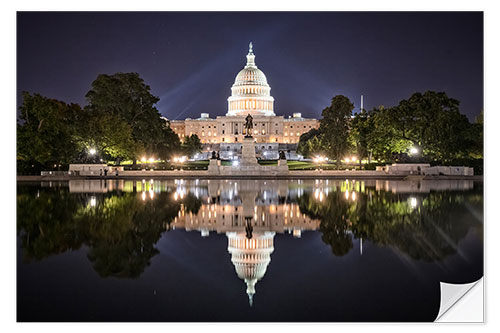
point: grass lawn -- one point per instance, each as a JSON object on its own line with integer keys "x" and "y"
{"x": 203, "y": 165}
{"x": 305, "y": 165}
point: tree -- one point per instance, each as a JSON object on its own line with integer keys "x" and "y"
{"x": 360, "y": 129}
{"x": 169, "y": 144}
{"x": 47, "y": 130}
{"x": 383, "y": 139}
{"x": 335, "y": 127}
{"x": 433, "y": 122}
{"x": 310, "y": 143}
{"x": 125, "y": 96}
{"x": 109, "y": 135}
{"x": 191, "y": 145}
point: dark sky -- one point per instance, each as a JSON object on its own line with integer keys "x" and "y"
{"x": 190, "y": 60}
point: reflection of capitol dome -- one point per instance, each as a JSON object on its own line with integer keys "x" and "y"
{"x": 250, "y": 93}
{"x": 250, "y": 257}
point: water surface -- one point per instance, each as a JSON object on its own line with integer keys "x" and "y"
{"x": 244, "y": 250}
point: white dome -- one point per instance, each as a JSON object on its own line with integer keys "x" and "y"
{"x": 250, "y": 93}
{"x": 251, "y": 76}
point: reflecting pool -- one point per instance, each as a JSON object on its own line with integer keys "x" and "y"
{"x": 244, "y": 250}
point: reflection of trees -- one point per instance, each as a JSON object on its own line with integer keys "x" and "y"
{"x": 42, "y": 221}
{"x": 120, "y": 229}
{"x": 333, "y": 214}
{"x": 429, "y": 230}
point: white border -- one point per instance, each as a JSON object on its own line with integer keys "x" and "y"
{"x": 8, "y": 91}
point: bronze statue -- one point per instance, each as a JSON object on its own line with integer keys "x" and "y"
{"x": 282, "y": 155}
{"x": 249, "y": 125}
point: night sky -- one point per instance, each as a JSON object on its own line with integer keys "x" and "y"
{"x": 190, "y": 60}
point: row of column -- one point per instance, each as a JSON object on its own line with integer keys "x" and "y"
{"x": 250, "y": 104}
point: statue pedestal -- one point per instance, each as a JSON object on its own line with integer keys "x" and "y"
{"x": 213, "y": 167}
{"x": 282, "y": 166}
{"x": 248, "y": 152}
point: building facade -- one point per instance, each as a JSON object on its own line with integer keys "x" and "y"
{"x": 250, "y": 94}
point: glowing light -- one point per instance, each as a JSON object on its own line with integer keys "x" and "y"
{"x": 413, "y": 202}
{"x": 143, "y": 196}
{"x": 319, "y": 159}
{"x": 236, "y": 163}
{"x": 92, "y": 151}
{"x": 143, "y": 159}
{"x": 93, "y": 201}
{"x": 151, "y": 160}
{"x": 413, "y": 150}
{"x": 353, "y": 159}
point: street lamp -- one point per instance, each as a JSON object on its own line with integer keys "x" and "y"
{"x": 413, "y": 150}
{"x": 92, "y": 151}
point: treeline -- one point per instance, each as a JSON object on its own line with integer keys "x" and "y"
{"x": 120, "y": 122}
{"x": 428, "y": 126}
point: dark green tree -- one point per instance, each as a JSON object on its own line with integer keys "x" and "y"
{"x": 47, "y": 131}
{"x": 125, "y": 96}
{"x": 335, "y": 126}
{"x": 310, "y": 143}
{"x": 191, "y": 145}
{"x": 361, "y": 127}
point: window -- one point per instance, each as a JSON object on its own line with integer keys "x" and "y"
{"x": 236, "y": 139}
{"x": 222, "y": 131}
{"x": 223, "y": 140}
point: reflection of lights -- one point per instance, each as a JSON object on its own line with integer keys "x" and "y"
{"x": 413, "y": 202}
{"x": 347, "y": 195}
{"x": 176, "y": 196}
{"x": 353, "y": 195}
{"x": 236, "y": 163}
{"x": 93, "y": 201}
{"x": 151, "y": 194}
{"x": 143, "y": 196}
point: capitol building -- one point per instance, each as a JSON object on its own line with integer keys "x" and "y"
{"x": 250, "y": 94}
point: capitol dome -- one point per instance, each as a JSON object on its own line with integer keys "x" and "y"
{"x": 250, "y": 93}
